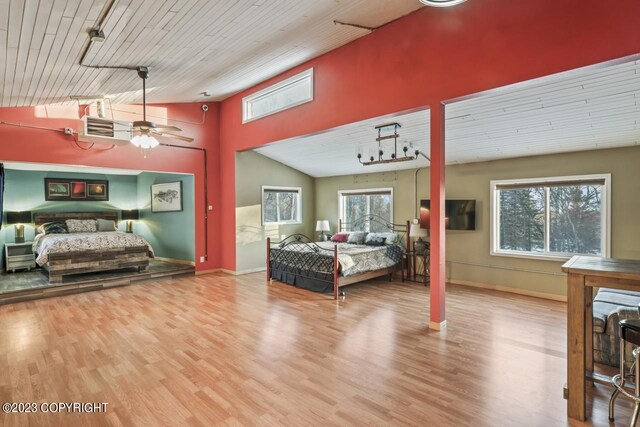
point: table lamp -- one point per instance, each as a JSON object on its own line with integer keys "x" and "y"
{"x": 19, "y": 219}
{"x": 322, "y": 226}
{"x": 418, "y": 232}
{"x": 129, "y": 216}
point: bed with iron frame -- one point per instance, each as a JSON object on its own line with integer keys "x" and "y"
{"x": 321, "y": 266}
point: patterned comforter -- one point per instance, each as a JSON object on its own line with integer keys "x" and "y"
{"x": 44, "y": 244}
{"x": 355, "y": 259}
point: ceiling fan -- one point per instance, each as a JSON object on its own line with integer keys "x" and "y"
{"x": 144, "y": 130}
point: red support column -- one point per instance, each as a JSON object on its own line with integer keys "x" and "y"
{"x": 437, "y": 318}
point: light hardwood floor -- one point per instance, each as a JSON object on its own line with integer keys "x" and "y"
{"x": 218, "y": 349}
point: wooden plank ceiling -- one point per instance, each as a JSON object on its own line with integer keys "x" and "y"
{"x": 191, "y": 46}
{"x": 334, "y": 152}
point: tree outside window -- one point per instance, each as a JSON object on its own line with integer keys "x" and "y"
{"x": 554, "y": 217}
{"x": 281, "y": 205}
{"x": 358, "y": 204}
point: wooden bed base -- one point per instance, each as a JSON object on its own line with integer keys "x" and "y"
{"x": 90, "y": 261}
{"x": 64, "y": 264}
{"x": 340, "y": 281}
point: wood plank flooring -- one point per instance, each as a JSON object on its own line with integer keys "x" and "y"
{"x": 224, "y": 350}
{"x": 34, "y": 284}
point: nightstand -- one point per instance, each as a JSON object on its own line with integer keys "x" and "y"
{"x": 19, "y": 256}
{"x": 421, "y": 264}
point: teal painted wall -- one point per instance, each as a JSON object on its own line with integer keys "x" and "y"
{"x": 172, "y": 234}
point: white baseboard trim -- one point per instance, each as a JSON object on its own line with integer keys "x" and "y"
{"x": 251, "y": 270}
{"x": 509, "y": 289}
{"x": 438, "y": 326}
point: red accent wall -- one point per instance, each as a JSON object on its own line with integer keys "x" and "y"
{"x": 432, "y": 55}
{"x": 32, "y": 145}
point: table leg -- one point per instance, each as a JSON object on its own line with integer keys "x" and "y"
{"x": 576, "y": 402}
{"x": 415, "y": 266}
{"x": 588, "y": 330}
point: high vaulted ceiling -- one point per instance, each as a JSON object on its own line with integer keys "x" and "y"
{"x": 191, "y": 46}
{"x": 586, "y": 109}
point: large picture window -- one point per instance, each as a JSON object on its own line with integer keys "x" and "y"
{"x": 355, "y": 204}
{"x": 281, "y": 205}
{"x": 551, "y": 217}
{"x": 286, "y": 94}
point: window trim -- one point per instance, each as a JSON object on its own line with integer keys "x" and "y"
{"x": 274, "y": 88}
{"x": 359, "y": 191}
{"x": 278, "y": 188}
{"x": 605, "y": 215}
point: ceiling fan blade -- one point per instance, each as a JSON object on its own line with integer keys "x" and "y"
{"x": 168, "y": 127}
{"x": 170, "y": 135}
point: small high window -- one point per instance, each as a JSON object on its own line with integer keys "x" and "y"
{"x": 288, "y": 93}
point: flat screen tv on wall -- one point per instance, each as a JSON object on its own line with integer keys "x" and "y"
{"x": 459, "y": 214}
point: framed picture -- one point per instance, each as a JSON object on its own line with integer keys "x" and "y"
{"x": 78, "y": 190}
{"x": 56, "y": 190}
{"x": 166, "y": 197}
{"x": 97, "y": 191}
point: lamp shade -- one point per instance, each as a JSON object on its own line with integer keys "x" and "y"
{"x": 23, "y": 217}
{"x": 322, "y": 225}
{"x": 130, "y": 214}
{"x": 442, "y": 3}
{"x": 417, "y": 231}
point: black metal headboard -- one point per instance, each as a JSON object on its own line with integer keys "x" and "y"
{"x": 364, "y": 224}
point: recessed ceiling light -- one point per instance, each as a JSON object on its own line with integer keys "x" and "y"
{"x": 442, "y": 3}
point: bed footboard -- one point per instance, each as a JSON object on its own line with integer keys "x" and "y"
{"x": 310, "y": 267}
{"x": 64, "y": 264}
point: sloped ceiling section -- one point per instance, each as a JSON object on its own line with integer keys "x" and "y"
{"x": 334, "y": 152}
{"x": 192, "y": 46}
{"x": 587, "y": 109}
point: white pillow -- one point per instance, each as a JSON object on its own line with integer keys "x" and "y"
{"x": 391, "y": 238}
{"x": 357, "y": 237}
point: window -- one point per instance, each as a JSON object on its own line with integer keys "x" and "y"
{"x": 358, "y": 203}
{"x": 281, "y": 205}
{"x": 551, "y": 217}
{"x": 288, "y": 93}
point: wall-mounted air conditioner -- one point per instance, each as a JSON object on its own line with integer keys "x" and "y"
{"x": 105, "y": 131}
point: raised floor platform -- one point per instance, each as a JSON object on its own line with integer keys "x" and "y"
{"x": 28, "y": 285}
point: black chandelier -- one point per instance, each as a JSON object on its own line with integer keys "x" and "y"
{"x": 389, "y": 127}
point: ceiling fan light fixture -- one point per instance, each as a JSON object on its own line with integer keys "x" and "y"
{"x": 442, "y": 3}
{"x": 144, "y": 141}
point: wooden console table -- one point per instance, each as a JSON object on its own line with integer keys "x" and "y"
{"x": 583, "y": 274}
